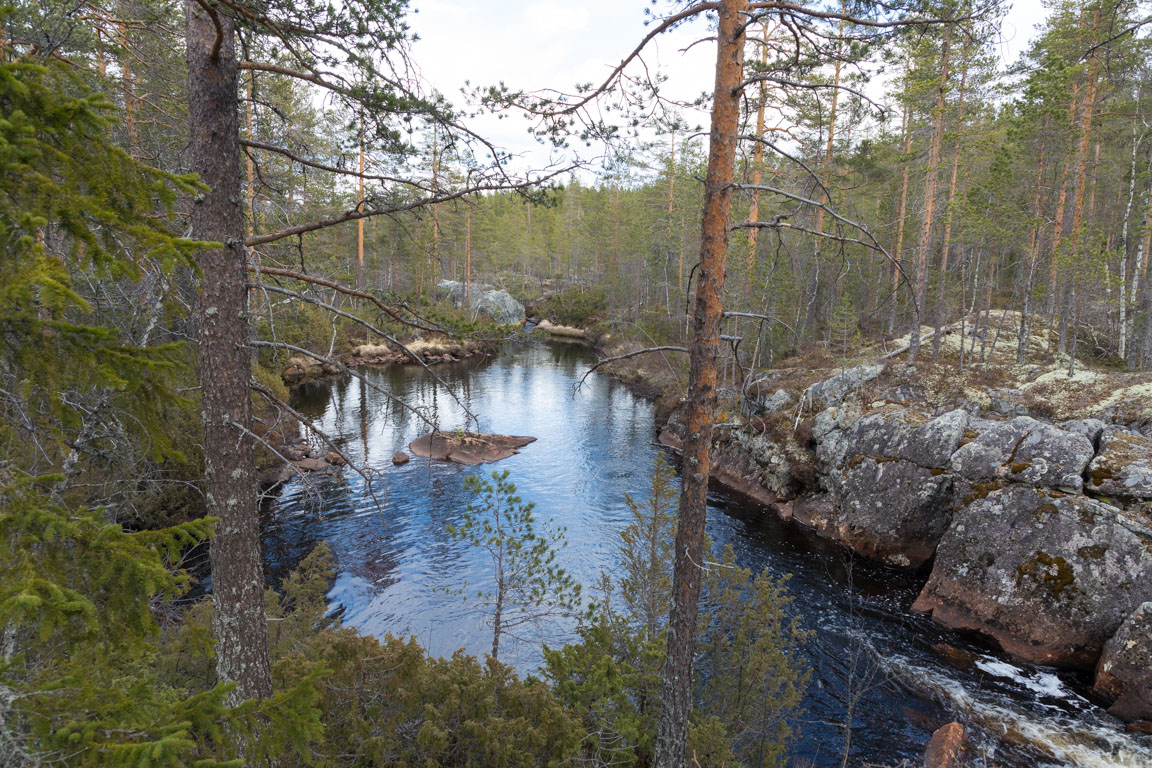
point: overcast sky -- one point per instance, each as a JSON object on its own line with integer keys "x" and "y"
{"x": 533, "y": 44}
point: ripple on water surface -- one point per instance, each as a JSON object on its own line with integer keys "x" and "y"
{"x": 399, "y": 571}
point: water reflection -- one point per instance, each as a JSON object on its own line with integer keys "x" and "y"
{"x": 397, "y": 565}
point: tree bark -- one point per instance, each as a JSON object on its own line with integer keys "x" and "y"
{"x": 949, "y": 216}
{"x": 230, "y": 477}
{"x": 676, "y": 682}
{"x": 929, "y": 200}
{"x": 894, "y": 266}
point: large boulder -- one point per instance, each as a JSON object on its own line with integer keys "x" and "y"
{"x": 1124, "y": 674}
{"x": 454, "y": 290}
{"x": 1049, "y": 576}
{"x": 499, "y": 307}
{"x": 1123, "y": 467}
{"x": 832, "y": 391}
{"x": 906, "y": 435}
{"x": 892, "y": 509}
{"x": 1024, "y": 450}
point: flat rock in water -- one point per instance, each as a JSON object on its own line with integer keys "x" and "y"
{"x": 471, "y": 448}
{"x": 399, "y": 458}
{"x": 311, "y": 465}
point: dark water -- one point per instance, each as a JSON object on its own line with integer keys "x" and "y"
{"x": 398, "y": 568}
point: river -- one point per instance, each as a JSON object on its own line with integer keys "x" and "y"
{"x": 400, "y": 572}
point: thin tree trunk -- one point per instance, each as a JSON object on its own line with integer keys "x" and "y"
{"x": 360, "y": 206}
{"x": 929, "y": 200}
{"x": 1033, "y": 258}
{"x": 230, "y": 477}
{"x": 949, "y": 216}
{"x": 757, "y": 178}
{"x": 895, "y": 272}
{"x": 676, "y": 677}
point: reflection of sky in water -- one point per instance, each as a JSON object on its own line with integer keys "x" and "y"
{"x": 398, "y": 567}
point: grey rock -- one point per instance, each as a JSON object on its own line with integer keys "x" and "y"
{"x": 455, "y": 290}
{"x": 1051, "y": 577}
{"x": 777, "y": 401}
{"x": 1124, "y": 674}
{"x": 907, "y": 435}
{"x": 832, "y": 391}
{"x": 499, "y": 306}
{"x": 1024, "y": 450}
{"x": 1090, "y": 428}
{"x": 1123, "y": 467}
{"x": 892, "y": 510}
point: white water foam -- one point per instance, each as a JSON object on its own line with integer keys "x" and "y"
{"x": 1088, "y": 741}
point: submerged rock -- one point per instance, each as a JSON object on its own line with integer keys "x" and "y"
{"x": 471, "y": 448}
{"x": 948, "y": 748}
{"x": 399, "y": 458}
{"x": 1049, "y": 576}
{"x": 1124, "y": 674}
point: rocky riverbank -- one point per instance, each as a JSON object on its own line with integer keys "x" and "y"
{"x": 1035, "y": 527}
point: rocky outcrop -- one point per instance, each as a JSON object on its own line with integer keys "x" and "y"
{"x": 470, "y": 448}
{"x": 1124, "y": 674}
{"x": 1123, "y": 467}
{"x": 1049, "y": 576}
{"x": 1039, "y": 535}
{"x": 1026, "y": 451}
{"x": 892, "y": 509}
{"x": 832, "y": 391}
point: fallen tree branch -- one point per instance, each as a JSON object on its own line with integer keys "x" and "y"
{"x": 306, "y": 278}
{"x": 625, "y": 356}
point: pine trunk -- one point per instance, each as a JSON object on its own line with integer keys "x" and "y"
{"x": 929, "y": 200}
{"x": 230, "y": 477}
{"x": 676, "y": 682}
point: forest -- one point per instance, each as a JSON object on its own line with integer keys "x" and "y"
{"x": 209, "y": 207}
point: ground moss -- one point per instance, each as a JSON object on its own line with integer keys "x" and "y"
{"x": 1053, "y": 572}
{"x": 982, "y": 490}
{"x": 1019, "y": 466}
{"x": 1093, "y": 551}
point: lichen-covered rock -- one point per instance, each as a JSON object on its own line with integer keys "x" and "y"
{"x": 773, "y": 403}
{"x": 454, "y": 290}
{"x": 1124, "y": 674}
{"x": 1123, "y": 467}
{"x": 907, "y": 435}
{"x": 748, "y": 463}
{"x": 1049, "y": 576}
{"x": 892, "y": 510}
{"x": 499, "y": 306}
{"x": 1024, "y": 450}
{"x": 1090, "y": 428}
{"x": 832, "y": 391}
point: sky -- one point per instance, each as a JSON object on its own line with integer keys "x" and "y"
{"x": 534, "y": 44}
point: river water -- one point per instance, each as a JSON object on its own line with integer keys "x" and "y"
{"x": 872, "y": 662}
